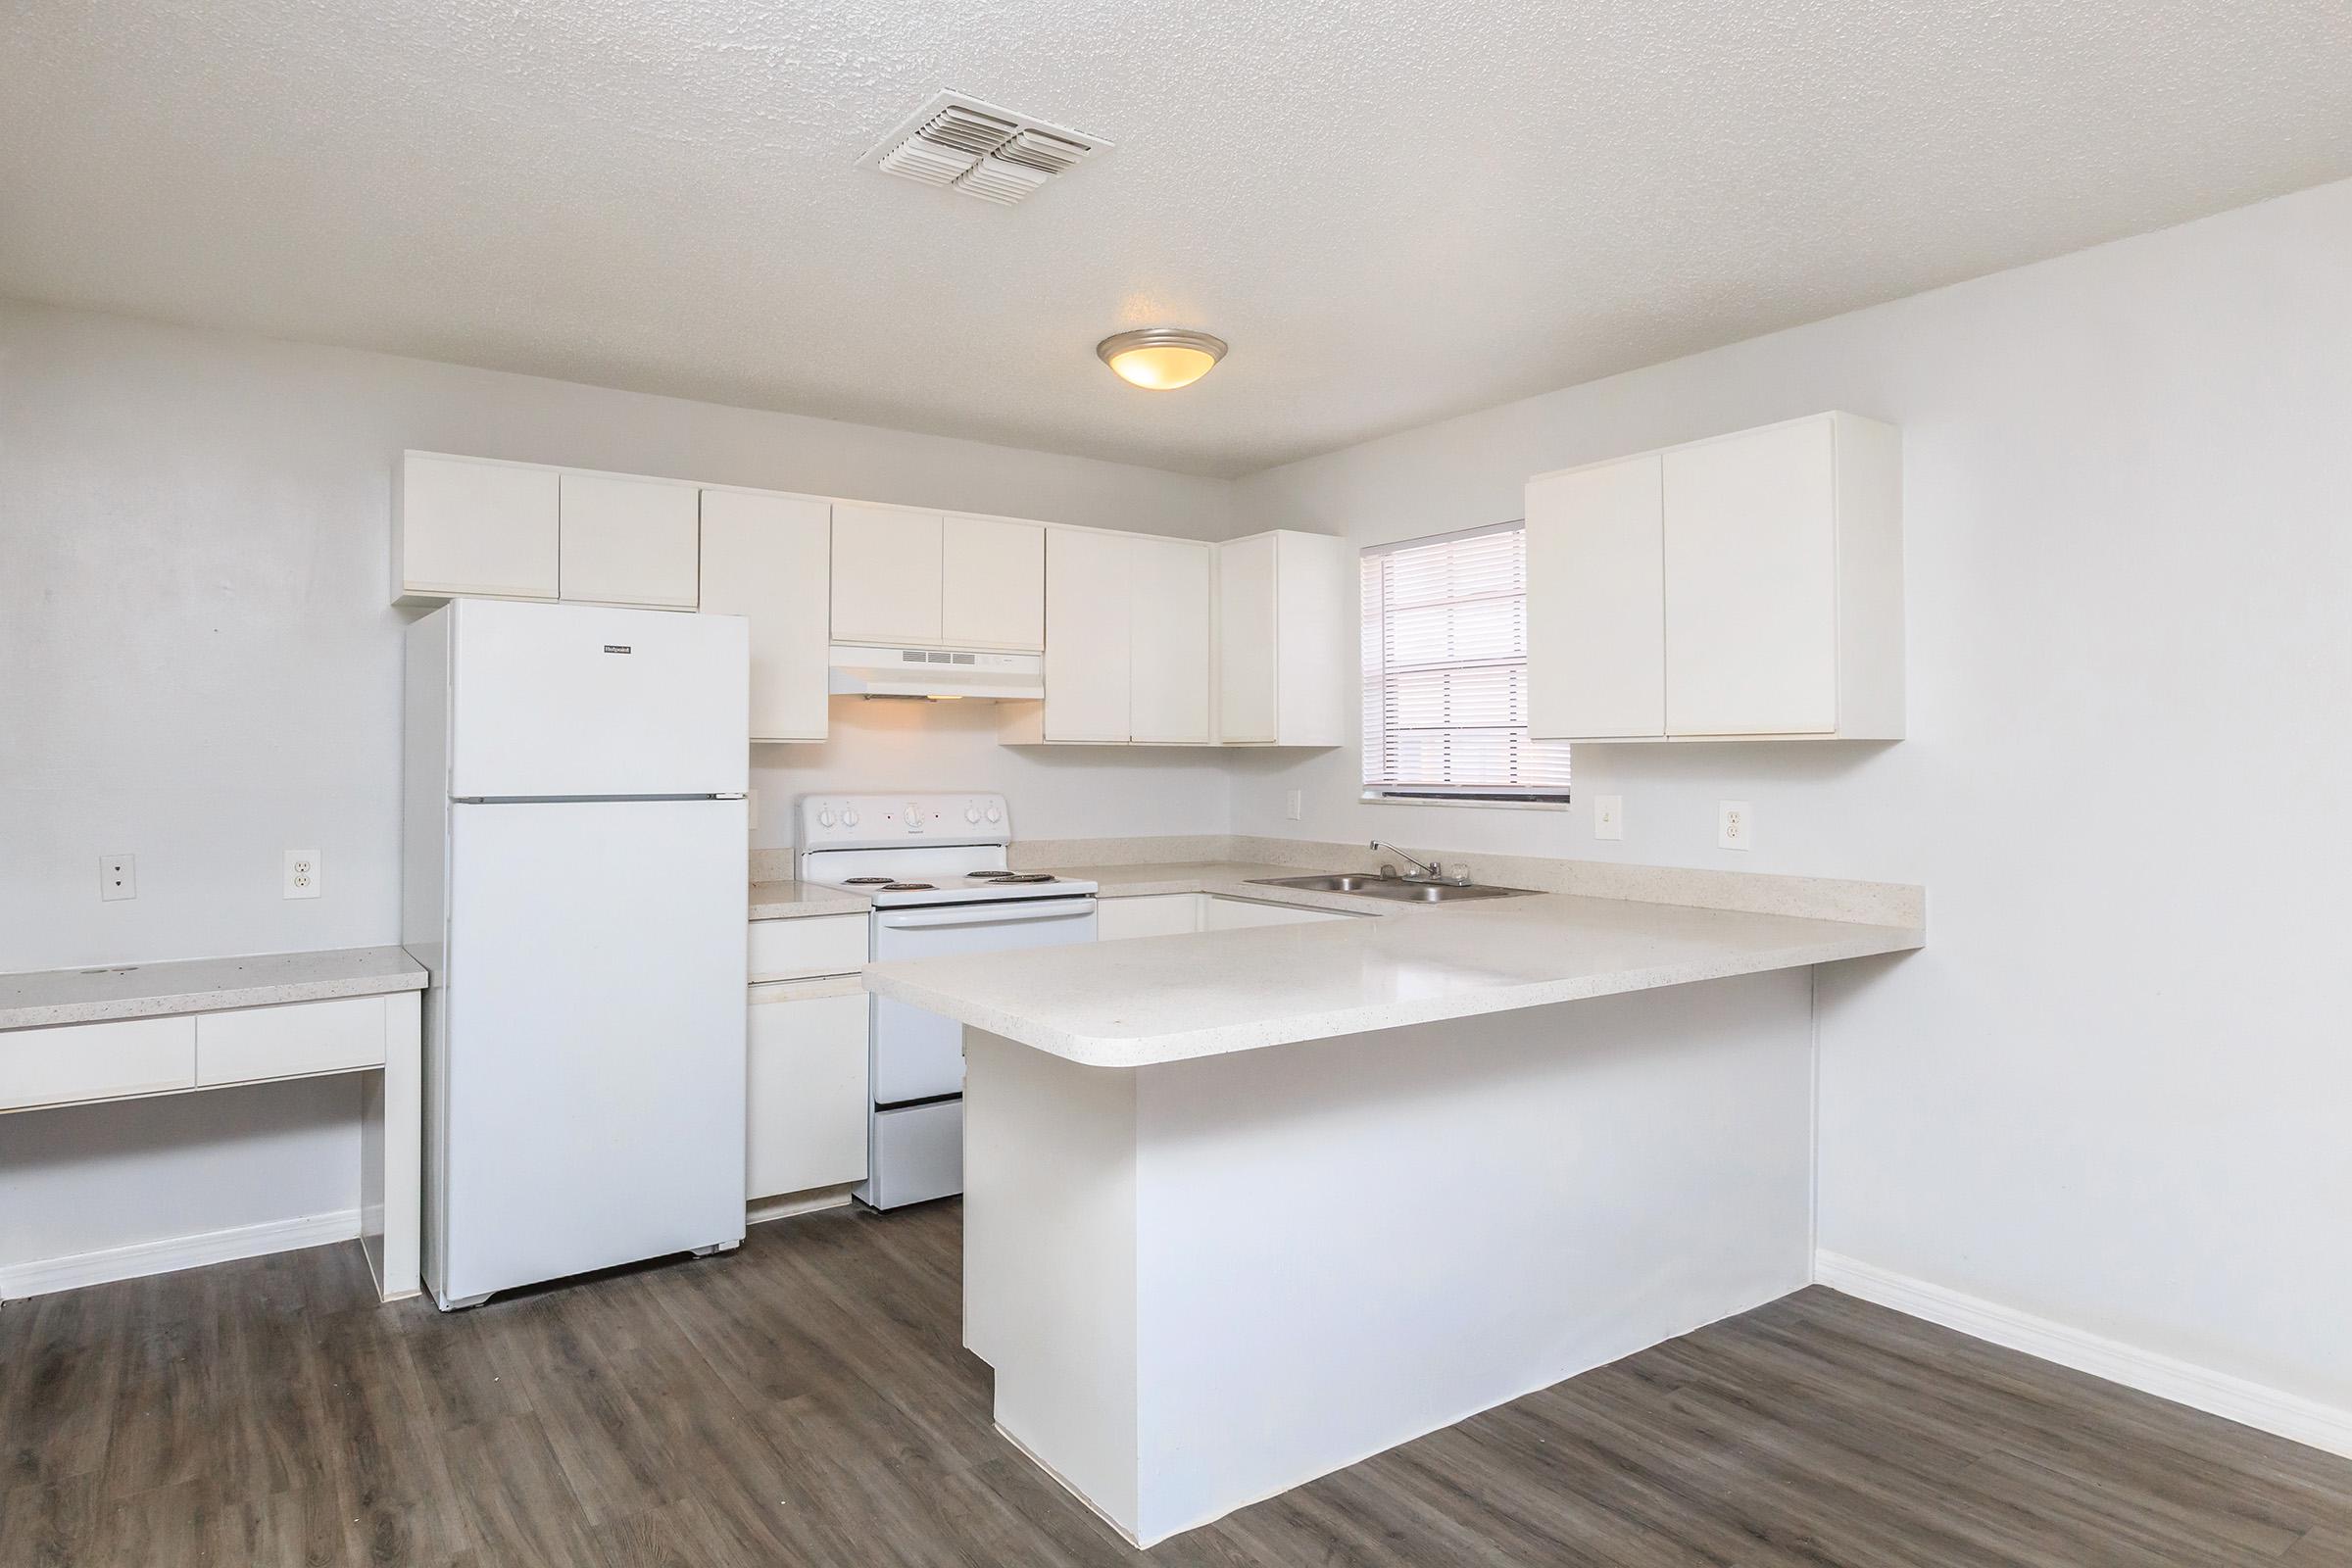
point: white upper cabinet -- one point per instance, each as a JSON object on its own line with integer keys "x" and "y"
{"x": 1088, "y": 640}
{"x": 1168, "y": 609}
{"x": 627, "y": 540}
{"x": 472, "y": 525}
{"x": 921, "y": 577}
{"x": 1597, "y": 601}
{"x": 1745, "y": 586}
{"x": 886, "y": 574}
{"x": 993, "y": 584}
{"x": 763, "y": 557}
{"x": 1282, "y": 618}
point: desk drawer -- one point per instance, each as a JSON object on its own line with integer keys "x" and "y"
{"x": 78, "y": 1062}
{"x": 815, "y": 945}
{"x": 289, "y": 1041}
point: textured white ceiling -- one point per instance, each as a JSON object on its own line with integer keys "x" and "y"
{"x": 1396, "y": 209}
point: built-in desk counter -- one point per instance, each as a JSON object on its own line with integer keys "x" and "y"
{"x": 75, "y": 1037}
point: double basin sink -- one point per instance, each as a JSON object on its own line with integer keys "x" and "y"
{"x": 1403, "y": 890}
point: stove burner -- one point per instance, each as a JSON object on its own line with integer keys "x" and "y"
{"x": 864, "y": 881}
{"x": 905, "y": 887}
{"x": 990, "y": 876}
{"x": 1011, "y": 877}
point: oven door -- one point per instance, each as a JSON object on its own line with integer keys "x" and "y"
{"x": 918, "y": 1055}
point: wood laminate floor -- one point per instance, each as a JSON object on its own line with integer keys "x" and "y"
{"x": 805, "y": 1401}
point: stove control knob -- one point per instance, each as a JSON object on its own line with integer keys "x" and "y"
{"x": 996, "y": 812}
{"x": 915, "y": 817}
{"x": 971, "y": 813}
{"x": 825, "y": 817}
{"x": 848, "y": 817}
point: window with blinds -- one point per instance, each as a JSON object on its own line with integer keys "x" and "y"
{"x": 1446, "y": 672}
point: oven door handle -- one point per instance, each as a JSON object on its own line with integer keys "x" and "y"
{"x": 985, "y": 913}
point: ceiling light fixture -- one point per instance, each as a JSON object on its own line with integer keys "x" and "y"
{"x": 1160, "y": 358}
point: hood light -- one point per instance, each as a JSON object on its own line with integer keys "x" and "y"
{"x": 1162, "y": 358}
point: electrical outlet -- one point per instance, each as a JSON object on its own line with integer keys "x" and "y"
{"x": 302, "y": 873}
{"x": 1608, "y": 816}
{"x": 117, "y": 877}
{"x": 1735, "y": 826}
{"x": 1293, "y": 805}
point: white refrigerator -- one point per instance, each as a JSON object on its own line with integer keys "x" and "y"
{"x": 575, "y": 862}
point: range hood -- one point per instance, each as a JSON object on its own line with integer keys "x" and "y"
{"x": 936, "y": 673}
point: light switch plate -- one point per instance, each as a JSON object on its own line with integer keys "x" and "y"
{"x": 1293, "y": 803}
{"x": 1735, "y": 825}
{"x": 302, "y": 873}
{"x": 750, "y": 810}
{"x": 117, "y": 877}
{"x": 1608, "y": 816}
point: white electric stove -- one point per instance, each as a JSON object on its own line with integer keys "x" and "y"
{"x": 935, "y": 869}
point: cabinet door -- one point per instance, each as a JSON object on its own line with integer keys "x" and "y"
{"x": 763, "y": 557}
{"x": 1158, "y": 914}
{"x": 886, "y": 574}
{"x": 1234, "y": 914}
{"x": 468, "y": 526}
{"x": 1597, "y": 602}
{"x": 993, "y": 587}
{"x": 1168, "y": 595}
{"x": 1086, "y": 631}
{"x": 1751, "y": 584}
{"x": 1248, "y": 707}
{"x": 628, "y": 540}
{"x": 805, "y": 1087}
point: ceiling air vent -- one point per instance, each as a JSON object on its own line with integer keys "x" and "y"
{"x": 979, "y": 149}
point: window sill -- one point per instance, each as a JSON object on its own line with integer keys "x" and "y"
{"x": 1375, "y": 798}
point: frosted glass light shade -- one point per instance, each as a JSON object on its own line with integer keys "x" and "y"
{"x": 1162, "y": 358}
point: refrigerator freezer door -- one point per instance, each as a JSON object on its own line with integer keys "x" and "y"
{"x": 591, "y": 1111}
{"x": 577, "y": 700}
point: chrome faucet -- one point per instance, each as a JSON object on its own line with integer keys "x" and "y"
{"x": 1426, "y": 871}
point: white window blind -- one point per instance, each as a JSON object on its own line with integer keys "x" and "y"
{"x": 1444, "y": 648}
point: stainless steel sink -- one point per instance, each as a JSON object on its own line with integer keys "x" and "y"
{"x": 1390, "y": 887}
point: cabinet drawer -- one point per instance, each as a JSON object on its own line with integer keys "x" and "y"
{"x": 96, "y": 1062}
{"x": 805, "y": 1094}
{"x": 289, "y": 1042}
{"x": 820, "y": 943}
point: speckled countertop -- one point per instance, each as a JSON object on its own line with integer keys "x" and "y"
{"x": 44, "y": 996}
{"x": 1166, "y": 999}
{"x": 790, "y": 900}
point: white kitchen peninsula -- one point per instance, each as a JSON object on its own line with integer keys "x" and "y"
{"x": 1246, "y": 1207}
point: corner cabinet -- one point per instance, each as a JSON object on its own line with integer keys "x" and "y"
{"x": 1283, "y": 619}
{"x": 764, "y": 556}
{"x": 1745, "y": 587}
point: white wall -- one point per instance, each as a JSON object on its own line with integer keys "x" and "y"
{"x": 199, "y": 666}
{"x": 2113, "y": 1091}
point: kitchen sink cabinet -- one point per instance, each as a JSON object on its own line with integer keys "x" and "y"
{"x": 1745, "y": 587}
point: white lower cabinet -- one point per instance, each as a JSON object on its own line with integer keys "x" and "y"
{"x": 1156, "y": 914}
{"x": 1168, "y": 914}
{"x": 805, "y": 1089}
{"x": 1234, "y": 914}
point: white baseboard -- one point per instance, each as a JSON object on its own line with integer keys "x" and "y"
{"x": 174, "y": 1252}
{"x": 2234, "y": 1399}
